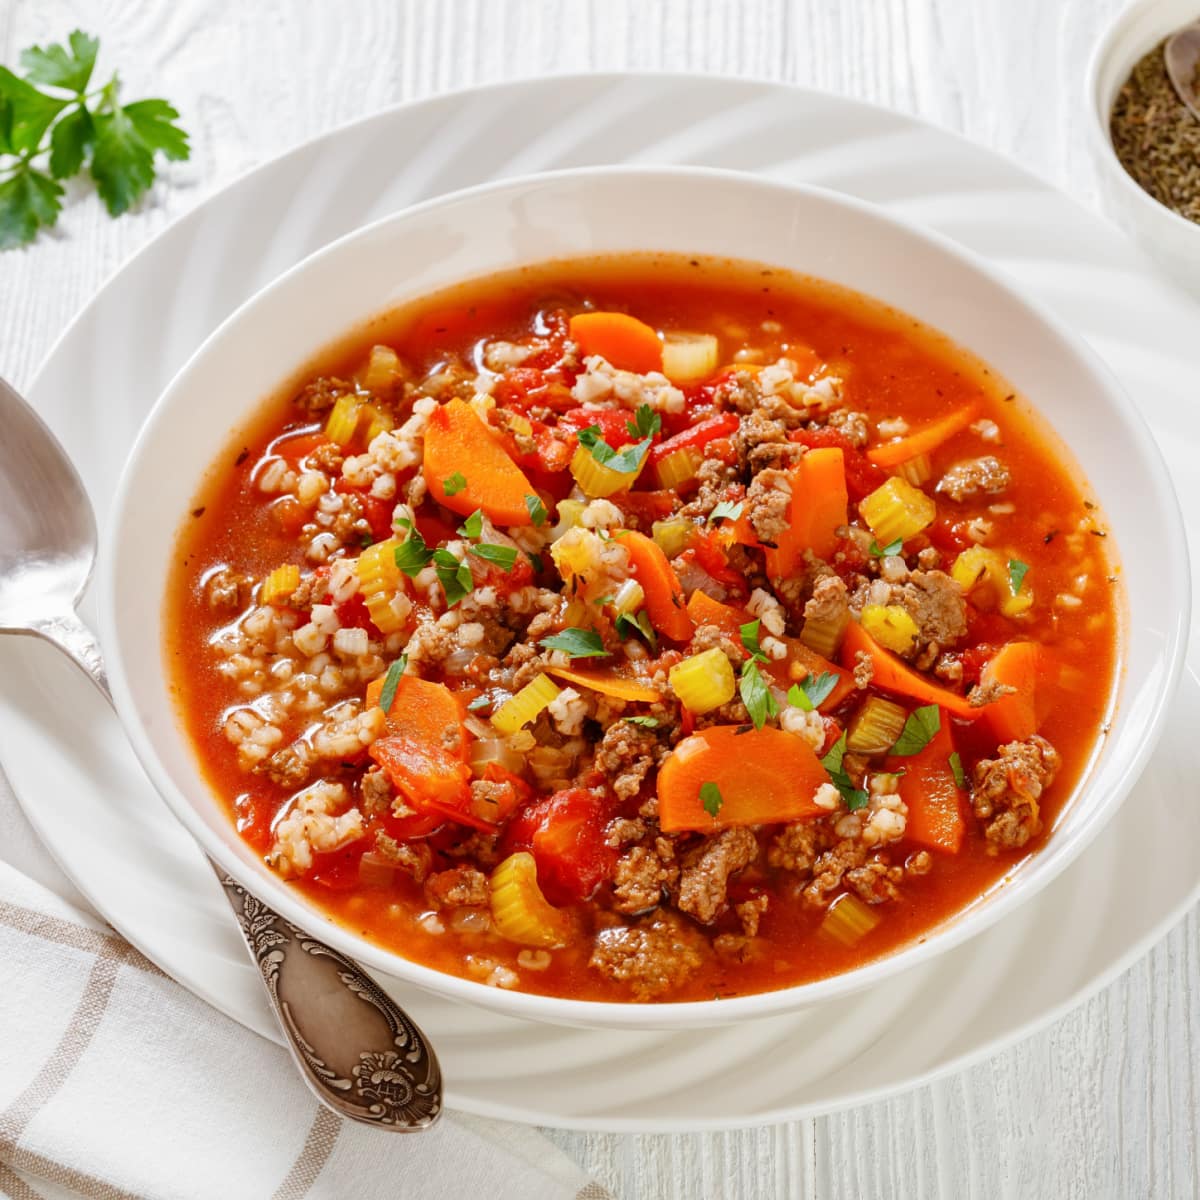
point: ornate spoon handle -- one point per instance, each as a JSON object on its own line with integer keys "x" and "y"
{"x": 356, "y": 1049}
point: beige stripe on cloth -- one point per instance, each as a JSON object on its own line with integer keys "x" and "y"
{"x": 91, "y": 1088}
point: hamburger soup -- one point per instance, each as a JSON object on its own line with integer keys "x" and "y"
{"x": 644, "y": 629}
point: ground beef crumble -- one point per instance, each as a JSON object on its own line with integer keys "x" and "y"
{"x": 705, "y": 872}
{"x": 652, "y": 956}
{"x": 1007, "y": 790}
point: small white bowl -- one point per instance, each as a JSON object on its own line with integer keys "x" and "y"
{"x": 615, "y": 210}
{"x": 1173, "y": 240}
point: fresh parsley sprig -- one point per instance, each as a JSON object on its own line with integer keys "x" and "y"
{"x": 853, "y": 797}
{"x": 576, "y": 642}
{"x": 53, "y": 125}
{"x": 627, "y": 461}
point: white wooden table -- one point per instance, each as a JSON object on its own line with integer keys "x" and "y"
{"x": 1102, "y": 1104}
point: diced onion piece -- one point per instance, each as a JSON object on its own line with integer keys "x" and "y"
{"x": 487, "y": 750}
{"x": 524, "y": 707}
{"x": 848, "y": 920}
{"x": 916, "y": 470}
{"x": 520, "y": 913}
{"x": 984, "y": 574}
{"x": 824, "y": 634}
{"x": 891, "y": 626}
{"x": 689, "y": 357}
{"x": 597, "y": 480}
{"x": 383, "y": 370}
{"x": 897, "y": 510}
{"x": 703, "y": 682}
{"x": 278, "y": 587}
{"x": 379, "y": 580}
{"x": 875, "y": 727}
{"x": 375, "y": 871}
{"x": 375, "y": 421}
{"x": 671, "y": 536}
{"x": 519, "y": 424}
{"x": 342, "y": 422}
{"x": 629, "y": 598}
{"x": 678, "y": 467}
{"x": 569, "y": 512}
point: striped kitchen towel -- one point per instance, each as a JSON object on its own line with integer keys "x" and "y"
{"x": 117, "y": 1082}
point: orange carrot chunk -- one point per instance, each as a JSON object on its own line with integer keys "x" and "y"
{"x": 934, "y": 799}
{"x": 818, "y": 507}
{"x": 625, "y": 341}
{"x": 924, "y": 440}
{"x": 892, "y": 675}
{"x": 748, "y": 777}
{"x": 816, "y": 664}
{"x": 704, "y": 610}
{"x": 1013, "y": 717}
{"x": 608, "y": 683}
{"x": 665, "y": 603}
{"x": 458, "y": 443}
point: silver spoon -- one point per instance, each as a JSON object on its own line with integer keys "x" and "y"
{"x": 1181, "y": 54}
{"x": 360, "y": 1054}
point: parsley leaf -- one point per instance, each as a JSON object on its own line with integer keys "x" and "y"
{"x": 453, "y": 575}
{"x": 453, "y": 484}
{"x": 725, "y": 510}
{"x": 61, "y": 67}
{"x": 854, "y": 798}
{"x": 919, "y": 730}
{"x": 809, "y": 693}
{"x": 503, "y": 556}
{"x": 756, "y": 696}
{"x": 480, "y": 702}
{"x": 1017, "y": 570}
{"x": 578, "y": 643}
{"x": 646, "y": 422}
{"x": 537, "y": 510}
{"x": 535, "y": 561}
{"x": 645, "y": 722}
{"x": 116, "y": 143}
{"x": 627, "y": 624}
{"x": 391, "y": 681}
{"x": 749, "y": 633}
{"x": 472, "y": 527}
{"x": 412, "y": 555}
{"x": 627, "y": 461}
{"x": 878, "y": 551}
{"x": 711, "y": 798}
{"x": 956, "y": 767}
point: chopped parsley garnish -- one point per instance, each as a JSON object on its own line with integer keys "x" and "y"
{"x": 479, "y": 703}
{"x": 725, "y": 510}
{"x": 919, "y": 730}
{"x": 749, "y": 633}
{"x": 627, "y": 461}
{"x": 711, "y": 798}
{"x": 412, "y": 555}
{"x": 756, "y": 696}
{"x": 854, "y": 798}
{"x": 453, "y": 484}
{"x": 535, "y": 561}
{"x": 472, "y": 527}
{"x": 537, "y": 510}
{"x": 391, "y": 681}
{"x": 578, "y": 643}
{"x": 628, "y": 624}
{"x": 812, "y": 690}
{"x": 644, "y": 722}
{"x": 956, "y": 767}
{"x": 601, "y": 601}
{"x": 504, "y": 557}
{"x": 1017, "y": 570}
{"x": 878, "y": 551}
{"x": 453, "y": 575}
{"x": 646, "y": 422}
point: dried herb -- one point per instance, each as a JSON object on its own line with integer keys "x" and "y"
{"x": 1156, "y": 138}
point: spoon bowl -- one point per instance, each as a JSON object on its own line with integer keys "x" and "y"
{"x": 345, "y": 1033}
{"x": 1181, "y": 55}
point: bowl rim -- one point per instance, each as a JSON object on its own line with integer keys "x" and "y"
{"x": 1099, "y": 114}
{"x": 1049, "y": 861}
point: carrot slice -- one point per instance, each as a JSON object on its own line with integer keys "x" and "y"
{"x": 892, "y": 675}
{"x": 1013, "y": 717}
{"x": 704, "y": 610}
{"x": 457, "y": 442}
{"x": 934, "y": 799}
{"x": 424, "y": 711}
{"x": 608, "y": 683}
{"x": 763, "y": 776}
{"x": 625, "y": 341}
{"x": 818, "y": 664}
{"x": 818, "y": 507}
{"x": 929, "y": 437}
{"x": 665, "y": 604}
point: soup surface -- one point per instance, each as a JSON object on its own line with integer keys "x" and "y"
{"x": 644, "y": 629}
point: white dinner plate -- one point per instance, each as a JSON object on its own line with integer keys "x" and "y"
{"x": 83, "y": 791}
